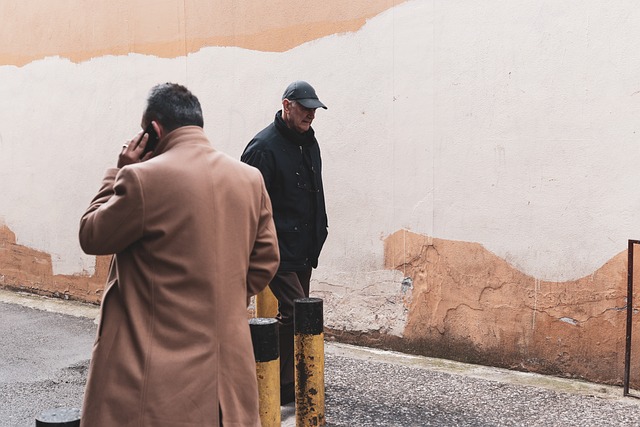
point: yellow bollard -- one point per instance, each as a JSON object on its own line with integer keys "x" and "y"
{"x": 309, "y": 362}
{"x": 264, "y": 335}
{"x": 266, "y": 304}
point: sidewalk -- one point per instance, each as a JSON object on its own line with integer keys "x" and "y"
{"x": 47, "y": 344}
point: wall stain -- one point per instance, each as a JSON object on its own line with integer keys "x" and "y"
{"x": 30, "y": 270}
{"x": 470, "y": 305}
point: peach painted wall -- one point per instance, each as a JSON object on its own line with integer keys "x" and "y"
{"x": 82, "y": 30}
{"x": 479, "y": 157}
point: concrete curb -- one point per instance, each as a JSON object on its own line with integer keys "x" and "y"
{"x": 71, "y": 308}
{"x": 564, "y": 385}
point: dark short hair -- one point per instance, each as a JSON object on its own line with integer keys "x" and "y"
{"x": 173, "y": 106}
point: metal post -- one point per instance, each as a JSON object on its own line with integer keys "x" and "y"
{"x": 264, "y": 335}
{"x": 59, "y": 417}
{"x": 309, "y": 362}
{"x": 266, "y": 304}
{"x": 627, "y": 352}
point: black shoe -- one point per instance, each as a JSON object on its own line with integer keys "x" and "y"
{"x": 287, "y": 394}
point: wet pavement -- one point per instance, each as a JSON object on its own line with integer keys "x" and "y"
{"x": 46, "y": 345}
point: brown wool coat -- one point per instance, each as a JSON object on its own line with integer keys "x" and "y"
{"x": 193, "y": 235}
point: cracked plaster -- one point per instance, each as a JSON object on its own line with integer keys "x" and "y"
{"x": 470, "y": 305}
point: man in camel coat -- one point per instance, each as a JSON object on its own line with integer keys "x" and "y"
{"x": 193, "y": 238}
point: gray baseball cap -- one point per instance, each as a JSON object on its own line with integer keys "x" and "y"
{"x": 304, "y": 93}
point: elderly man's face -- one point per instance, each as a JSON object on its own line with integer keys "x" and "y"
{"x": 296, "y": 116}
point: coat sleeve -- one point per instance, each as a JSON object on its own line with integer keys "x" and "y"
{"x": 114, "y": 219}
{"x": 265, "y": 256}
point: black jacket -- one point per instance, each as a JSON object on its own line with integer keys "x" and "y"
{"x": 292, "y": 169}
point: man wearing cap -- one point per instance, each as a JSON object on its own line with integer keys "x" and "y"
{"x": 288, "y": 155}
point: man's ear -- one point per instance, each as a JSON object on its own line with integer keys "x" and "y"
{"x": 158, "y": 128}
{"x": 286, "y": 105}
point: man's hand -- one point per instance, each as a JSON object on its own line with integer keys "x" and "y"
{"x": 132, "y": 150}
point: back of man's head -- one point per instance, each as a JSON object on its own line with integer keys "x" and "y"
{"x": 173, "y": 106}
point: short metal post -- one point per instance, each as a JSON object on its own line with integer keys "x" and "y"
{"x": 59, "y": 417}
{"x": 266, "y": 304}
{"x": 309, "y": 362}
{"x": 264, "y": 335}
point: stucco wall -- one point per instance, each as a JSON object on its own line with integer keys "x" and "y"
{"x": 478, "y": 156}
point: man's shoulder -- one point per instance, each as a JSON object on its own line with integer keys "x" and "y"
{"x": 239, "y": 166}
{"x": 244, "y": 175}
{"x": 266, "y": 137}
{"x": 264, "y": 142}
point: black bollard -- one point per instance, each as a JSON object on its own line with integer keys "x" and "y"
{"x": 309, "y": 361}
{"x": 264, "y": 335}
{"x": 59, "y": 417}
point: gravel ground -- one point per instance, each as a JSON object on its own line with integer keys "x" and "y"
{"x": 44, "y": 360}
{"x": 23, "y": 401}
{"x": 370, "y": 393}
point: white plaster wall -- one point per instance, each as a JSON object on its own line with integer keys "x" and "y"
{"x": 536, "y": 140}
{"x": 510, "y": 123}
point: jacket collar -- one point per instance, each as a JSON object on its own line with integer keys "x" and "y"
{"x": 302, "y": 139}
{"x": 191, "y": 135}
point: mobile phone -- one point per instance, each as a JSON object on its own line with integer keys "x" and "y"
{"x": 152, "y": 141}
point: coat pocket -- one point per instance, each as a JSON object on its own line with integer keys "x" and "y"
{"x": 111, "y": 291}
{"x": 289, "y": 243}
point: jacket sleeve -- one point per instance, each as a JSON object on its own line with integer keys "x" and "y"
{"x": 114, "y": 219}
{"x": 265, "y": 256}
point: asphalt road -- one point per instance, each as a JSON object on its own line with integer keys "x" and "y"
{"x": 46, "y": 346}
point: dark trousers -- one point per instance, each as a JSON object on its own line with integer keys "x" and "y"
{"x": 287, "y": 286}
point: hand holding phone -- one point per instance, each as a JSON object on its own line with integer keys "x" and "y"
{"x": 133, "y": 153}
{"x": 152, "y": 141}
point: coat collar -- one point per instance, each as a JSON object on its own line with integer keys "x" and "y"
{"x": 182, "y": 136}
{"x": 302, "y": 139}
